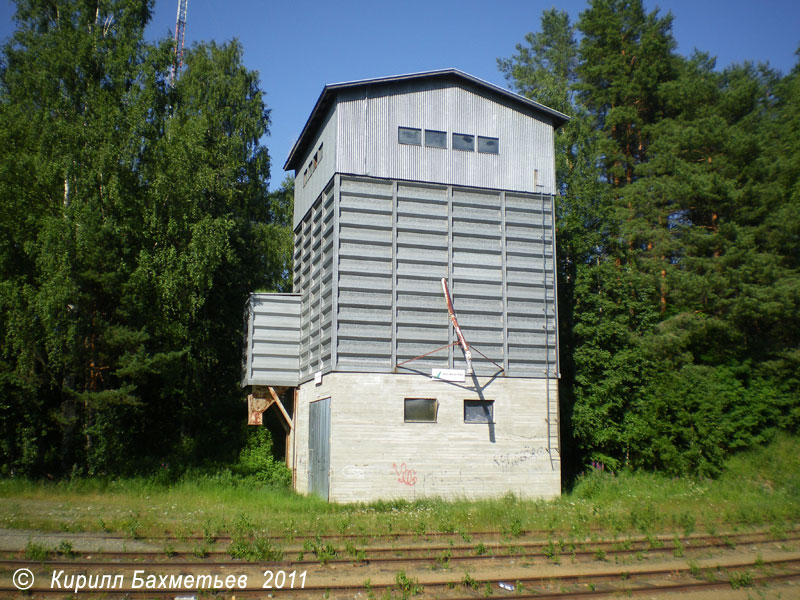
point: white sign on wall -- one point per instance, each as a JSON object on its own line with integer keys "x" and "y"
{"x": 449, "y": 374}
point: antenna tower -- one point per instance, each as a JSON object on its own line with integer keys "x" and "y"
{"x": 180, "y": 36}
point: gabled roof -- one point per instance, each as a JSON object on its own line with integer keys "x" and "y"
{"x": 328, "y": 95}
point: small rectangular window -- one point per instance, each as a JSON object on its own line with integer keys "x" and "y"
{"x": 435, "y": 139}
{"x": 478, "y": 411}
{"x": 488, "y": 145}
{"x": 409, "y": 136}
{"x": 462, "y": 141}
{"x": 420, "y": 410}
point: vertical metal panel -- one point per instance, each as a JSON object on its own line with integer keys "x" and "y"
{"x": 319, "y": 448}
{"x": 368, "y": 119}
{"x": 273, "y": 341}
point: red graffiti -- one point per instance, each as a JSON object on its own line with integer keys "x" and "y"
{"x": 405, "y": 475}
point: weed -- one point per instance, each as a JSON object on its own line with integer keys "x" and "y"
{"x": 677, "y": 550}
{"x": 368, "y": 587}
{"x": 653, "y": 542}
{"x": 102, "y": 524}
{"x": 359, "y": 554}
{"x": 687, "y": 522}
{"x": 694, "y": 569}
{"x": 512, "y": 529}
{"x": 200, "y": 551}
{"x": 740, "y": 580}
{"x": 759, "y": 561}
{"x": 323, "y": 551}
{"x": 466, "y": 537}
{"x": 407, "y": 586}
{"x": 487, "y": 589}
{"x": 209, "y": 533}
{"x": 552, "y": 550}
{"x": 625, "y": 575}
{"x": 600, "y": 554}
{"x": 728, "y": 542}
{"x": 37, "y": 552}
{"x": 520, "y": 587}
{"x": 643, "y": 516}
{"x": 65, "y": 549}
{"x": 131, "y": 526}
{"x": 242, "y": 526}
{"x": 255, "y": 548}
{"x": 169, "y": 550}
{"x": 446, "y": 526}
{"x": 480, "y": 549}
{"x": 420, "y": 529}
{"x": 444, "y": 558}
{"x": 469, "y": 582}
{"x": 778, "y": 530}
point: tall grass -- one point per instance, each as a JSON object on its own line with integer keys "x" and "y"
{"x": 761, "y": 486}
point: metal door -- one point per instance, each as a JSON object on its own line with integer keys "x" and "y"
{"x": 319, "y": 447}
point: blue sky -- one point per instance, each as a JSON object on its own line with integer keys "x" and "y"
{"x": 298, "y": 47}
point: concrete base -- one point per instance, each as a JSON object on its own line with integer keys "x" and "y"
{"x": 375, "y": 455}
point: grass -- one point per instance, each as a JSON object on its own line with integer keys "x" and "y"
{"x": 761, "y": 486}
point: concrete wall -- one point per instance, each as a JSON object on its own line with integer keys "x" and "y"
{"x": 376, "y": 455}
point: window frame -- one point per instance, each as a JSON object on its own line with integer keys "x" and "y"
{"x": 442, "y": 133}
{"x": 479, "y": 402}
{"x": 488, "y": 139}
{"x": 435, "y": 410}
{"x": 461, "y": 136}
{"x": 410, "y": 129}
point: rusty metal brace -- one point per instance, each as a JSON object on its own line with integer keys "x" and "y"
{"x": 461, "y": 341}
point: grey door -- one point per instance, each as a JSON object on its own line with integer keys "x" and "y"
{"x": 319, "y": 447}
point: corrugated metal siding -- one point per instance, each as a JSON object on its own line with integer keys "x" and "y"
{"x": 273, "y": 340}
{"x": 306, "y": 194}
{"x": 398, "y": 239}
{"x": 314, "y": 258}
{"x": 367, "y": 143}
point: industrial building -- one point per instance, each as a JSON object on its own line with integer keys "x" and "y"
{"x": 409, "y": 188}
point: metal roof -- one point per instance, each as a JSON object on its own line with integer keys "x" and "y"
{"x": 329, "y": 92}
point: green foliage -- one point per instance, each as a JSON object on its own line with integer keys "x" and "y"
{"x": 253, "y": 548}
{"x": 66, "y": 550}
{"x": 37, "y": 552}
{"x": 407, "y": 586}
{"x": 134, "y": 219}
{"x": 678, "y": 242}
{"x": 256, "y": 465}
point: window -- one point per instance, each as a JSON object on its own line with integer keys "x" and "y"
{"x": 409, "y": 136}
{"x": 435, "y": 139}
{"x": 478, "y": 411}
{"x": 462, "y": 141}
{"x": 488, "y": 145}
{"x": 420, "y": 410}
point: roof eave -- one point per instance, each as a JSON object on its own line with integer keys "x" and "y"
{"x": 329, "y": 91}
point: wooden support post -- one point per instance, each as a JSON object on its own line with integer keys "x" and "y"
{"x": 287, "y": 425}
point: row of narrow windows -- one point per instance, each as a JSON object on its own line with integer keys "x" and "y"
{"x": 312, "y": 165}
{"x": 410, "y": 136}
{"x": 426, "y": 410}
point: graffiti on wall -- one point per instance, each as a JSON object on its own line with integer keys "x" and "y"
{"x": 509, "y": 462}
{"x": 405, "y": 475}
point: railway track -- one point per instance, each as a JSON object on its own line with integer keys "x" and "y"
{"x": 433, "y": 567}
{"x": 614, "y": 582}
{"x": 440, "y": 553}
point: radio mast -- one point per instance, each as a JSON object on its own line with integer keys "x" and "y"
{"x": 180, "y": 36}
